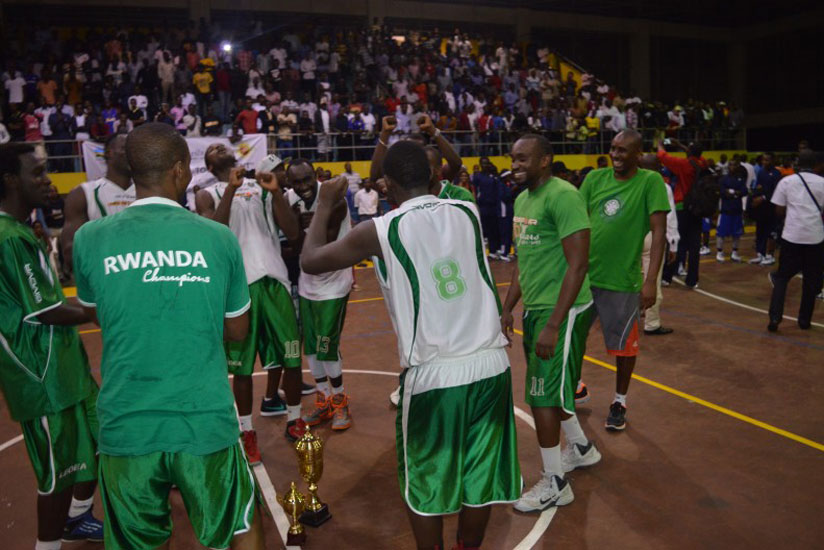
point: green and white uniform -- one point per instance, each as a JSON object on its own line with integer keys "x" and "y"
{"x": 451, "y": 191}
{"x": 104, "y": 197}
{"x": 543, "y": 218}
{"x": 44, "y": 371}
{"x": 322, "y": 297}
{"x": 273, "y": 326}
{"x": 162, "y": 280}
{"x": 456, "y": 439}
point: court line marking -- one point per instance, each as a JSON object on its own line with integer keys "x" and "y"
{"x": 718, "y": 408}
{"x": 739, "y": 304}
{"x": 11, "y": 442}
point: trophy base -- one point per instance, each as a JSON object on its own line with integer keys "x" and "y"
{"x": 314, "y": 519}
{"x": 295, "y": 539}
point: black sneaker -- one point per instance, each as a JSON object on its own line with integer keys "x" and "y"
{"x": 581, "y": 394}
{"x": 273, "y": 407}
{"x": 773, "y": 325}
{"x": 617, "y": 418}
{"x": 307, "y": 389}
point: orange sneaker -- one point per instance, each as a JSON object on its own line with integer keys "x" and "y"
{"x": 323, "y": 410}
{"x": 340, "y": 406}
{"x": 250, "y": 445}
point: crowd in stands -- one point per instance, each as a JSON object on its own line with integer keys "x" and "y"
{"x": 320, "y": 93}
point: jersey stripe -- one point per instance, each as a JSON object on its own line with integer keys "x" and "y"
{"x": 102, "y": 208}
{"x": 479, "y": 251}
{"x": 411, "y": 274}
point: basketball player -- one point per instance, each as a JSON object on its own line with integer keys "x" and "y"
{"x": 455, "y": 424}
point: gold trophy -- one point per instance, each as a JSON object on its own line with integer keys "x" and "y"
{"x": 293, "y": 505}
{"x": 310, "y": 463}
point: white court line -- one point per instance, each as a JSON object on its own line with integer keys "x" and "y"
{"x": 271, "y": 498}
{"x": 739, "y": 304}
{"x": 10, "y": 442}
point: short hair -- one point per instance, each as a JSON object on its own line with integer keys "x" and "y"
{"x": 543, "y": 143}
{"x": 635, "y": 135}
{"x": 152, "y": 149}
{"x": 407, "y": 165}
{"x": 694, "y": 150}
{"x": 808, "y": 159}
{"x": 109, "y": 141}
{"x": 10, "y": 163}
{"x": 435, "y": 151}
{"x": 299, "y": 161}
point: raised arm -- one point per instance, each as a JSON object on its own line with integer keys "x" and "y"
{"x": 283, "y": 214}
{"x": 453, "y": 160}
{"x": 388, "y": 126}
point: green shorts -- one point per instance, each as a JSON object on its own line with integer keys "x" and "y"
{"x": 218, "y": 490}
{"x": 457, "y": 444}
{"x": 552, "y": 382}
{"x": 322, "y": 323}
{"x": 273, "y": 331}
{"x": 62, "y": 447}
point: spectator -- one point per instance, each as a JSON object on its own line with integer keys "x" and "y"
{"x": 762, "y": 211}
{"x": 212, "y": 125}
{"x": 202, "y": 81}
{"x": 731, "y": 220}
{"x": 486, "y": 186}
{"x": 193, "y": 122}
{"x": 47, "y": 89}
{"x": 177, "y": 113}
{"x": 366, "y": 202}
{"x": 248, "y": 118}
{"x": 32, "y": 124}
{"x": 15, "y": 87}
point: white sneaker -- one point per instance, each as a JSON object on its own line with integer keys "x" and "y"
{"x": 768, "y": 260}
{"x": 494, "y": 257}
{"x": 395, "y": 396}
{"x": 758, "y": 259}
{"x": 734, "y": 256}
{"x": 505, "y": 258}
{"x": 820, "y": 296}
{"x": 720, "y": 257}
{"x": 551, "y": 490}
{"x": 681, "y": 271}
{"x": 580, "y": 456}
{"x": 705, "y": 251}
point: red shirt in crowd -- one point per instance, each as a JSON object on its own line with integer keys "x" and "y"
{"x": 32, "y": 123}
{"x": 248, "y": 121}
{"x": 683, "y": 170}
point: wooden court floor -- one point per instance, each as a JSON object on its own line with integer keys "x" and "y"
{"x": 724, "y": 446}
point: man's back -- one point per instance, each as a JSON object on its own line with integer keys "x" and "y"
{"x": 443, "y": 297}
{"x": 162, "y": 280}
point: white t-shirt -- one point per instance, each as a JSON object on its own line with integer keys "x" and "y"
{"x": 15, "y": 88}
{"x": 354, "y": 180}
{"x": 366, "y": 202}
{"x": 803, "y": 223}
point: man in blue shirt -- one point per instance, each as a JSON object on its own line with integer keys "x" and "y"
{"x": 487, "y": 192}
{"x": 766, "y": 221}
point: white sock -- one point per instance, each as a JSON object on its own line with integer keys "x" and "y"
{"x": 339, "y": 389}
{"x": 50, "y": 545}
{"x": 292, "y": 412}
{"x": 80, "y": 507}
{"x": 551, "y": 457}
{"x": 573, "y": 432}
{"x": 620, "y": 398}
{"x": 246, "y": 423}
{"x": 323, "y": 387}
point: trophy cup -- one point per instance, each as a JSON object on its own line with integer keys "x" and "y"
{"x": 310, "y": 463}
{"x": 292, "y": 503}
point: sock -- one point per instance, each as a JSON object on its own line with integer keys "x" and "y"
{"x": 620, "y": 398}
{"x": 551, "y": 457}
{"x": 720, "y": 244}
{"x": 323, "y": 386}
{"x": 292, "y": 412}
{"x": 245, "y": 425}
{"x": 50, "y": 545}
{"x": 339, "y": 389}
{"x": 573, "y": 432}
{"x": 80, "y": 507}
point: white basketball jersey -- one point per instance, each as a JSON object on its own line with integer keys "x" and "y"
{"x": 438, "y": 285}
{"x": 104, "y": 197}
{"x": 252, "y": 222}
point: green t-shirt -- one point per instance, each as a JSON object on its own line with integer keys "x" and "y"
{"x": 43, "y": 368}
{"x": 619, "y": 212}
{"x": 544, "y": 217}
{"x": 450, "y": 191}
{"x": 162, "y": 280}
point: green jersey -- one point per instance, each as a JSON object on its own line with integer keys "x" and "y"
{"x": 43, "y": 368}
{"x": 619, "y": 212}
{"x": 162, "y": 280}
{"x": 450, "y": 191}
{"x": 543, "y": 218}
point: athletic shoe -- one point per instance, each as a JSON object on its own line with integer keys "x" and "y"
{"x": 757, "y": 260}
{"x": 505, "y": 258}
{"x": 681, "y": 271}
{"x": 734, "y": 256}
{"x": 341, "y": 419}
{"x": 770, "y": 278}
{"x": 773, "y": 325}
{"x": 551, "y": 490}
{"x": 323, "y": 410}
{"x": 692, "y": 287}
{"x": 720, "y": 257}
{"x": 580, "y": 456}
{"x": 769, "y": 259}
{"x": 356, "y": 287}
{"x": 581, "y": 394}
{"x": 617, "y": 418}
{"x": 395, "y": 396}
{"x": 272, "y": 407}
{"x": 83, "y": 527}
{"x": 705, "y": 251}
{"x": 494, "y": 256}
{"x": 250, "y": 445}
{"x": 307, "y": 389}
{"x": 660, "y": 331}
{"x": 295, "y": 429}
{"x": 820, "y": 296}
{"x": 664, "y": 282}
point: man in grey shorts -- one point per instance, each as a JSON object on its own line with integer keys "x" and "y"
{"x": 624, "y": 202}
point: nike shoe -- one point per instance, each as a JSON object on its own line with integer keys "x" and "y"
{"x": 581, "y": 394}
{"x": 275, "y": 406}
{"x": 307, "y": 389}
{"x": 705, "y": 251}
{"x": 83, "y": 527}
{"x": 720, "y": 257}
{"x": 757, "y": 260}
{"x": 341, "y": 419}
{"x": 395, "y": 396}
{"x": 681, "y": 271}
{"x": 323, "y": 410}
{"x": 295, "y": 429}
{"x": 551, "y": 490}
{"x": 250, "y": 445}
{"x": 617, "y": 418}
{"x": 580, "y": 456}
{"x": 769, "y": 259}
{"x": 734, "y": 256}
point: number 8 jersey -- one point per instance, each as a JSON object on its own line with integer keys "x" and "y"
{"x": 443, "y": 298}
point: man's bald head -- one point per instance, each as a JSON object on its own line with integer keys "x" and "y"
{"x": 152, "y": 150}
{"x": 632, "y": 139}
